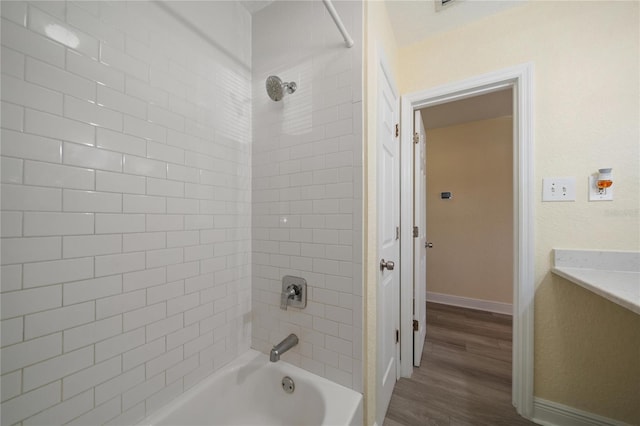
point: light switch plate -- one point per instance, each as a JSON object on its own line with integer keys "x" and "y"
{"x": 559, "y": 189}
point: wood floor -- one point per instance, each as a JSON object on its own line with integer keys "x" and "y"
{"x": 465, "y": 374}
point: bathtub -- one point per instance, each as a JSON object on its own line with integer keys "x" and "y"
{"x": 249, "y": 391}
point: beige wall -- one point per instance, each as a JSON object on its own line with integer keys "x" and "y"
{"x": 586, "y": 109}
{"x": 591, "y": 360}
{"x": 472, "y": 233}
{"x": 378, "y": 37}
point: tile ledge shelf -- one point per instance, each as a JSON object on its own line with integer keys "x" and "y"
{"x": 614, "y": 275}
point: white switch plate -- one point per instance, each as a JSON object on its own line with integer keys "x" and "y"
{"x": 596, "y": 195}
{"x": 559, "y": 189}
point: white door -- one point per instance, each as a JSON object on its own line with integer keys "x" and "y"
{"x": 420, "y": 240}
{"x": 388, "y": 193}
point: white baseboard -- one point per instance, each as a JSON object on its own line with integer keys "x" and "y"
{"x": 548, "y": 413}
{"x": 466, "y": 302}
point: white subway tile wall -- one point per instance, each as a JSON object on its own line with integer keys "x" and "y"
{"x": 307, "y": 186}
{"x": 125, "y": 206}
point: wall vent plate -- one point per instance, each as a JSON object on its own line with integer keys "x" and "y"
{"x": 441, "y": 4}
{"x": 299, "y": 301}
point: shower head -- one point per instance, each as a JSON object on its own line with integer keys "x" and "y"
{"x": 276, "y": 89}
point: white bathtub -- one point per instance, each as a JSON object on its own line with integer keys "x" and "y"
{"x": 249, "y": 391}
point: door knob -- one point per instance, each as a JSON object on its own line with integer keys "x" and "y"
{"x": 388, "y": 264}
{"x": 428, "y": 245}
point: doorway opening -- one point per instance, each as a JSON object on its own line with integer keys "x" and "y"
{"x": 519, "y": 80}
{"x": 469, "y": 202}
{"x": 463, "y": 210}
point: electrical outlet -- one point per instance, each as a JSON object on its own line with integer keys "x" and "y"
{"x": 599, "y": 195}
{"x": 559, "y": 189}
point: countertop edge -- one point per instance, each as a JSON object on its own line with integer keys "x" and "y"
{"x": 565, "y": 272}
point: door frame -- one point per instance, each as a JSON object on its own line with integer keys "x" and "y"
{"x": 520, "y": 78}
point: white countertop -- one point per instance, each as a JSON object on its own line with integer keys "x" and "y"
{"x": 612, "y": 275}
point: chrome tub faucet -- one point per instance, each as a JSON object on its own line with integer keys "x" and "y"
{"x": 282, "y": 347}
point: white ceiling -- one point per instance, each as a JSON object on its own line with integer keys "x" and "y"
{"x": 255, "y": 5}
{"x": 415, "y": 20}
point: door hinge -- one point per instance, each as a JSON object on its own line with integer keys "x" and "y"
{"x": 397, "y": 130}
{"x": 416, "y": 325}
{"x": 416, "y": 232}
{"x": 416, "y": 138}
{"x": 397, "y": 336}
{"x": 397, "y": 232}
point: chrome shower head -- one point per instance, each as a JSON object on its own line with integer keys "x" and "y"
{"x": 276, "y": 89}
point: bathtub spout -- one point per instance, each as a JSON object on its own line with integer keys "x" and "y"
{"x": 289, "y": 342}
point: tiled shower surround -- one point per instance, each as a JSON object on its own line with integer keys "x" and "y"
{"x": 138, "y": 254}
{"x": 307, "y": 186}
{"x": 126, "y": 206}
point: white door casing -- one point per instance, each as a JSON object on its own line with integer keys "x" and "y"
{"x": 388, "y": 283}
{"x": 520, "y": 78}
{"x": 420, "y": 238}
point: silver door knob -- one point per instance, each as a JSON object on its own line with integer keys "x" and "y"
{"x": 428, "y": 245}
{"x": 388, "y": 264}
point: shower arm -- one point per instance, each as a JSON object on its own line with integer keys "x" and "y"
{"x": 348, "y": 41}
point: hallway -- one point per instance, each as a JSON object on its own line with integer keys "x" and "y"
{"x": 465, "y": 373}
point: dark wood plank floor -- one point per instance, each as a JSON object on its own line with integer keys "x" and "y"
{"x": 465, "y": 374}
